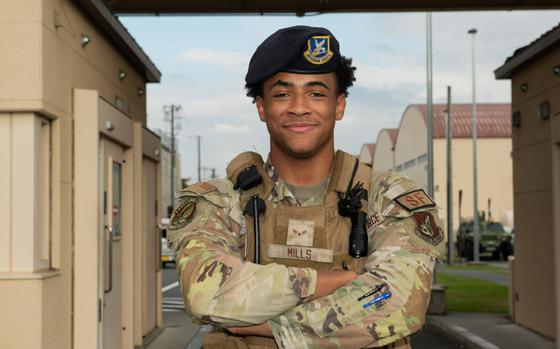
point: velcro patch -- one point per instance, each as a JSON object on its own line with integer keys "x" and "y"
{"x": 300, "y": 232}
{"x": 183, "y": 214}
{"x": 415, "y": 200}
{"x": 321, "y": 255}
{"x": 427, "y": 228}
{"x": 373, "y": 220}
{"x": 201, "y": 188}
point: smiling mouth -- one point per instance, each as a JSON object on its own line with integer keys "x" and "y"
{"x": 300, "y": 127}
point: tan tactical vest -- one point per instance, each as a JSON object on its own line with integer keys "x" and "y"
{"x": 307, "y": 237}
{"x": 315, "y": 236}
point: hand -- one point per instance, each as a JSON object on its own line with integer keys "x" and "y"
{"x": 262, "y": 330}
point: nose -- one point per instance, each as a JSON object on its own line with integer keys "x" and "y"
{"x": 298, "y": 106}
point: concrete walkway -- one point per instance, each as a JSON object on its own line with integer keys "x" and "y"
{"x": 178, "y": 331}
{"x": 487, "y": 331}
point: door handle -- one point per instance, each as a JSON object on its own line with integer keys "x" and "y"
{"x": 109, "y": 230}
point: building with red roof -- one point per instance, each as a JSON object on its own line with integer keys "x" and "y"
{"x": 405, "y": 150}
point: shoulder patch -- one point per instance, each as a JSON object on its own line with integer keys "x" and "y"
{"x": 183, "y": 214}
{"x": 415, "y": 200}
{"x": 201, "y": 188}
{"x": 427, "y": 228}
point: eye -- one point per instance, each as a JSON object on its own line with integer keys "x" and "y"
{"x": 317, "y": 94}
{"x": 281, "y": 95}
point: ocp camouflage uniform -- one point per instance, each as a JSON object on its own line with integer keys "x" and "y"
{"x": 220, "y": 288}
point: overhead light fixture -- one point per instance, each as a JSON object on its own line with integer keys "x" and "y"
{"x": 85, "y": 40}
{"x": 524, "y": 87}
{"x": 140, "y": 91}
{"x": 122, "y": 75}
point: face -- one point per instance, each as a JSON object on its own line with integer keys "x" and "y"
{"x": 300, "y": 111}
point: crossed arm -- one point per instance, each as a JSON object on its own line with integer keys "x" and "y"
{"x": 299, "y": 305}
{"x": 327, "y": 283}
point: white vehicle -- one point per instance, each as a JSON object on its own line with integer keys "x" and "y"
{"x": 167, "y": 253}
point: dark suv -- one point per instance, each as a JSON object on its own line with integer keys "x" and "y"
{"x": 494, "y": 240}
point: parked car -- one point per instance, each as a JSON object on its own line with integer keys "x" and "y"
{"x": 495, "y": 241}
{"x": 167, "y": 253}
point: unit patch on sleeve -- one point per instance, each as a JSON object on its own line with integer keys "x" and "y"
{"x": 373, "y": 220}
{"x": 427, "y": 228}
{"x": 201, "y": 188}
{"x": 415, "y": 200}
{"x": 183, "y": 214}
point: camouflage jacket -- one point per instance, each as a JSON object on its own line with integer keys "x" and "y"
{"x": 219, "y": 288}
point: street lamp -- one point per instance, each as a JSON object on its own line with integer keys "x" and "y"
{"x": 429, "y": 83}
{"x": 476, "y": 243}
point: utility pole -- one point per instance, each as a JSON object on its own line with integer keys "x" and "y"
{"x": 429, "y": 83}
{"x": 212, "y": 171}
{"x": 476, "y": 230}
{"x": 198, "y": 146}
{"x": 170, "y": 110}
{"x": 449, "y": 180}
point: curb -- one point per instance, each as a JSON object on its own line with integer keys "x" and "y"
{"x": 458, "y": 333}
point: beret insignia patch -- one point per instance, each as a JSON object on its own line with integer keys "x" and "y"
{"x": 427, "y": 228}
{"x": 415, "y": 200}
{"x": 318, "y": 49}
{"x": 183, "y": 214}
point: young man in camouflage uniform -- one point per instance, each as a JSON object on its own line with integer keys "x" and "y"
{"x": 307, "y": 291}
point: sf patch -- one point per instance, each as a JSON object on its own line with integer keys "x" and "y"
{"x": 183, "y": 214}
{"x": 427, "y": 228}
{"x": 415, "y": 200}
{"x": 318, "y": 49}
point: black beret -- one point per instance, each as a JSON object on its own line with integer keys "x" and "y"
{"x": 299, "y": 49}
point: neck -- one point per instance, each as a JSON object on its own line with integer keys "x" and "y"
{"x": 307, "y": 171}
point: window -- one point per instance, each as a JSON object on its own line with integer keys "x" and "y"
{"x": 409, "y": 164}
{"x": 117, "y": 194}
{"x": 422, "y": 159}
{"x": 44, "y": 150}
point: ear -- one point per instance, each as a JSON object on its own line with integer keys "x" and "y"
{"x": 260, "y": 108}
{"x": 340, "y": 106}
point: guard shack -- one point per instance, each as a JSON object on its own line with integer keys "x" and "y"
{"x": 79, "y": 180}
{"x": 534, "y": 289}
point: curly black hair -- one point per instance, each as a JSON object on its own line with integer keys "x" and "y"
{"x": 344, "y": 78}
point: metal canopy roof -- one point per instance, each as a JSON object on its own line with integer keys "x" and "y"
{"x": 301, "y": 7}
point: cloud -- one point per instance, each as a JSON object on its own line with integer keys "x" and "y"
{"x": 217, "y": 58}
{"x": 232, "y": 129}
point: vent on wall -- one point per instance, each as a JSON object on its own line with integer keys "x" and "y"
{"x": 543, "y": 112}
{"x": 516, "y": 119}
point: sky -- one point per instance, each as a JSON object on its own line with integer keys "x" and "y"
{"x": 204, "y": 59}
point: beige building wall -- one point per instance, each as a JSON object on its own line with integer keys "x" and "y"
{"x": 536, "y": 197}
{"x": 495, "y": 180}
{"x": 42, "y": 61}
{"x": 384, "y": 158}
{"x": 411, "y": 147}
{"x": 365, "y": 155}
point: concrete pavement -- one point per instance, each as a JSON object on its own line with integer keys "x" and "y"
{"x": 487, "y": 331}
